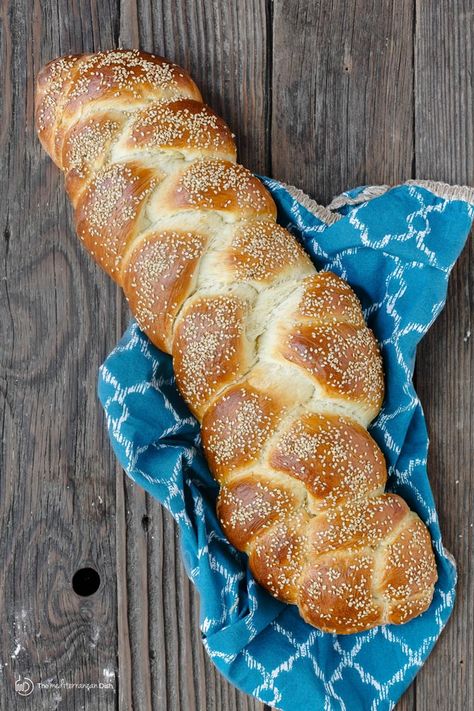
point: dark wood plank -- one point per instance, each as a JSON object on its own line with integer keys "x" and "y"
{"x": 163, "y": 664}
{"x": 342, "y": 101}
{"x": 444, "y": 141}
{"x": 224, "y": 47}
{"x": 342, "y": 94}
{"x": 341, "y": 114}
{"x": 57, "y": 499}
{"x": 408, "y": 700}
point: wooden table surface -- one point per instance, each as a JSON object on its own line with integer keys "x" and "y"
{"x": 324, "y": 94}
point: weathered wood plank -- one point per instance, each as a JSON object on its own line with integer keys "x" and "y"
{"x": 342, "y": 101}
{"x": 342, "y": 94}
{"x": 444, "y": 142}
{"x": 57, "y": 500}
{"x": 224, "y": 46}
{"x": 341, "y": 114}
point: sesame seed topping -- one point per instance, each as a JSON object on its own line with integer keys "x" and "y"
{"x": 217, "y": 184}
{"x": 344, "y": 359}
{"x": 261, "y": 249}
{"x": 158, "y": 278}
{"x": 236, "y": 428}
{"x": 207, "y": 347}
{"x": 327, "y": 298}
{"x": 335, "y": 458}
{"x": 118, "y": 72}
{"x": 110, "y": 208}
{"x": 251, "y": 505}
{"x": 188, "y": 124}
{"x": 87, "y": 143}
{"x": 58, "y": 75}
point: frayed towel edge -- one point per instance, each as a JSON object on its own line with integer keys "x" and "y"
{"x": 328, "y": 216}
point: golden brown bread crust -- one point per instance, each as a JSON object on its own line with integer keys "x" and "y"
{"x": 210, "y": 350}
{"x": 236, "y": 427}
{"x": 123, "y": 79}
{"x": 251, "y": 503}
{"x": 159, "y": 274}
{"x": 85, "y": 146}
{"x": 338, "y": 592}
{"x": 278, "y": 556}
{"x": 52, "y": 85}
{"x": 186, "y": 125}
{"x": 341, "y": 358}
{"x": 273, "y": 358}
{"x": 334, "y": 457}
{"x": 219, "y": 186}
{"x": 109, "y": 212}
{"x": 328, "y": 299}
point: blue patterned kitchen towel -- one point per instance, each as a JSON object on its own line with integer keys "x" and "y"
{"x": 395, "y": 247}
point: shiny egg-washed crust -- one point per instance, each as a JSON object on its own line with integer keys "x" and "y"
{"x": 273, "y": 358}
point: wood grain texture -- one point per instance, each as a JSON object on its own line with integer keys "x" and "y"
{"x": 342, "y": 101}
{"x": 226, "y": 48}
{"x": 163, "y": 664}
{"x": 342, "y": 94}
{"x": 322, "y": 95}
{"x": 57, "y": 488}
{"x": 444, "y": 150}
{"x": 83, "y": 511}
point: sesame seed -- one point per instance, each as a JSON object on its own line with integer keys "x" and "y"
{"x": 218, "y": 184}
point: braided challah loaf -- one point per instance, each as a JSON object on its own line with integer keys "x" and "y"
{"x": 274, "y": 359}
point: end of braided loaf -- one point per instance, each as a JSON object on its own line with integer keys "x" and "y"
{"x": 273, "y": 358}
